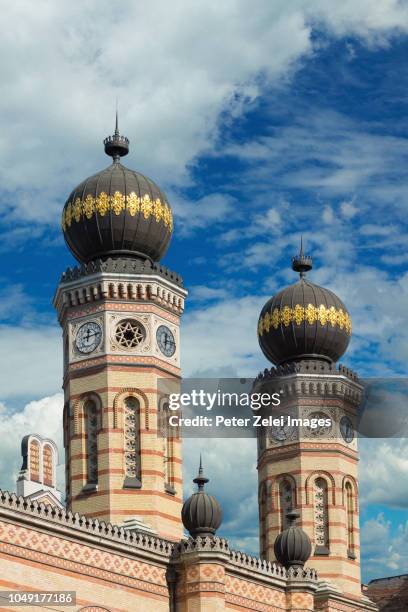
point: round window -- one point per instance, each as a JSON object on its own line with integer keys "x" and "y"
{"x": 130, "y": 333}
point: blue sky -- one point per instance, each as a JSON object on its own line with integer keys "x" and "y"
{"x": 259, "y": 125}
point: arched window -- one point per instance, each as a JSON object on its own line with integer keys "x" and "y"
{"x": 131, "y": 430}
{"x": 286, "y": 500}
{"x": 35, "y": 460}
{"x": 48, "y": 466}
{"x": 262, "y": 522}
{"x": 321, "y": 517}
{"x": 66, "y": 351}
{"x": 350, "y": 520}
{"x": 166, "y": 447}
{"x": 261, "y": 433}
{"x": 167, "y": 435}
{"x": 91, "y": 431}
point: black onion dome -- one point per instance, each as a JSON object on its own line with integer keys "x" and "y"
{"x": 304, "y": 321}
{"x": 117, "y": 212}
{"x": 201, "y": 513}
{"x": 292, "y": 546}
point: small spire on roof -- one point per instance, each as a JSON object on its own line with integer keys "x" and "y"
{"x": 116, "y": 123}
{"x": 201, "y": 480}
{"x": 302, "y": 263}
{"x": 116, "y": 146}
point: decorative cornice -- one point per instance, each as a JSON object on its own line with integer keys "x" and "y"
{"x": 254, "y": 564}
{"x": 121, "y": 265}
{"x": 307, "y": 366}
{"x": 200, "y": 544}
{"x": 240, "y": 560}
{"x": 57, "y": 518}
{"x": 122, "y": 280}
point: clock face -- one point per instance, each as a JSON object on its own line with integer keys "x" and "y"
{"x": 88, "y": 337}
{"x": 346, "y": 429}
{"x": 280, "y": 433}
{"x": 165, "y": 340}
{"x": 318, "y": 431}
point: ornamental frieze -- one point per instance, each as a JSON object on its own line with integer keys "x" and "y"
{"x": 299, "y": 314}
{"x": 117, "y": 203}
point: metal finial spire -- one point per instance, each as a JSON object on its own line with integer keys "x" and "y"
{"x": 201, "y": 479}
{"x": 116, "y": 122}
{"x": 302, "y": 263}
{"x": 116, "y": 146}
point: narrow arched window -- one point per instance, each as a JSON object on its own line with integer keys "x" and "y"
{"x": 48, "y": 466}
{"x": 168, "y": 434}
{"x": 66, "y": 352}
{"x": 91, "y": 431}
{"x": 286, "y": 500}
{"x": 321, "y": 517}
{"x": 350, "y": 520}
{"x": 262, "y": 521}
{"x": 132, "y": 440}
{"x": 35, "y": 460}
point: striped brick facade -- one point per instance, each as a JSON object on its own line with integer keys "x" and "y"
{"x": 106, "y": 379}
{"x": 289, "y": 472}
{"x": 47, "y": 549}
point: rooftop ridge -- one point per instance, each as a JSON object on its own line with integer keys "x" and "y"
{"x": 138, "y": 540}
{"x": 241, "y": 559}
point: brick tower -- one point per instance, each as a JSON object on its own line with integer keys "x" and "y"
{"x": 310, "y": 466}
{"x": 120, "y": 315}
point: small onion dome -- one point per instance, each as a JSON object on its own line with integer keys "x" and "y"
{"x": 117, "y": 212}
{"x": 292, "y": 546}
{"x": 304, "y": 321}
{"x": 201, "y": 513}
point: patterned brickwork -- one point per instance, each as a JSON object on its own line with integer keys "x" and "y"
{"x": 249, "y": 594}
{"x": 34, "y": 545}
{"x": 110, "y": 376}
{"x": 319, "y": 470}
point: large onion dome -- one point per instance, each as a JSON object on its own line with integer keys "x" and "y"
{"x": 117, "y": 212}
{"x": 304, "y": 321}
{"x": 292, "y": 546}
{"x": 201, "y": 513}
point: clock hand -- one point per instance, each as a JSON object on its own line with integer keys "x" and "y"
{"x": 94, "y": 333}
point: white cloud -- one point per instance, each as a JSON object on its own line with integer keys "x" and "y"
{"x": 328, "y": 215}
{"x": 207, "y": 211}
{"x": 30, "y": 361}
{"x": 348, "y": 210}
{"x": 383, "y": 470}
{"x": 335, "y": 157}
{"x": 399, "y": 259}
{"x": 14, "y": 302}
{"x": 233, "y": 481}
{"x": 385, "y": 552}
{"x": 203, "y": 293}
{"x": 174, "y": 66}
{"x": 221, "y": 340}
{"x": 371, "y": 229}
{"x": 43, "y": 417}
{"x": 373, "y": 21}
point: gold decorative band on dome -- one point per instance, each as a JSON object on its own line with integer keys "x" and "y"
{"x": 310, "y": 314}
{"x": 103, "y": 203}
